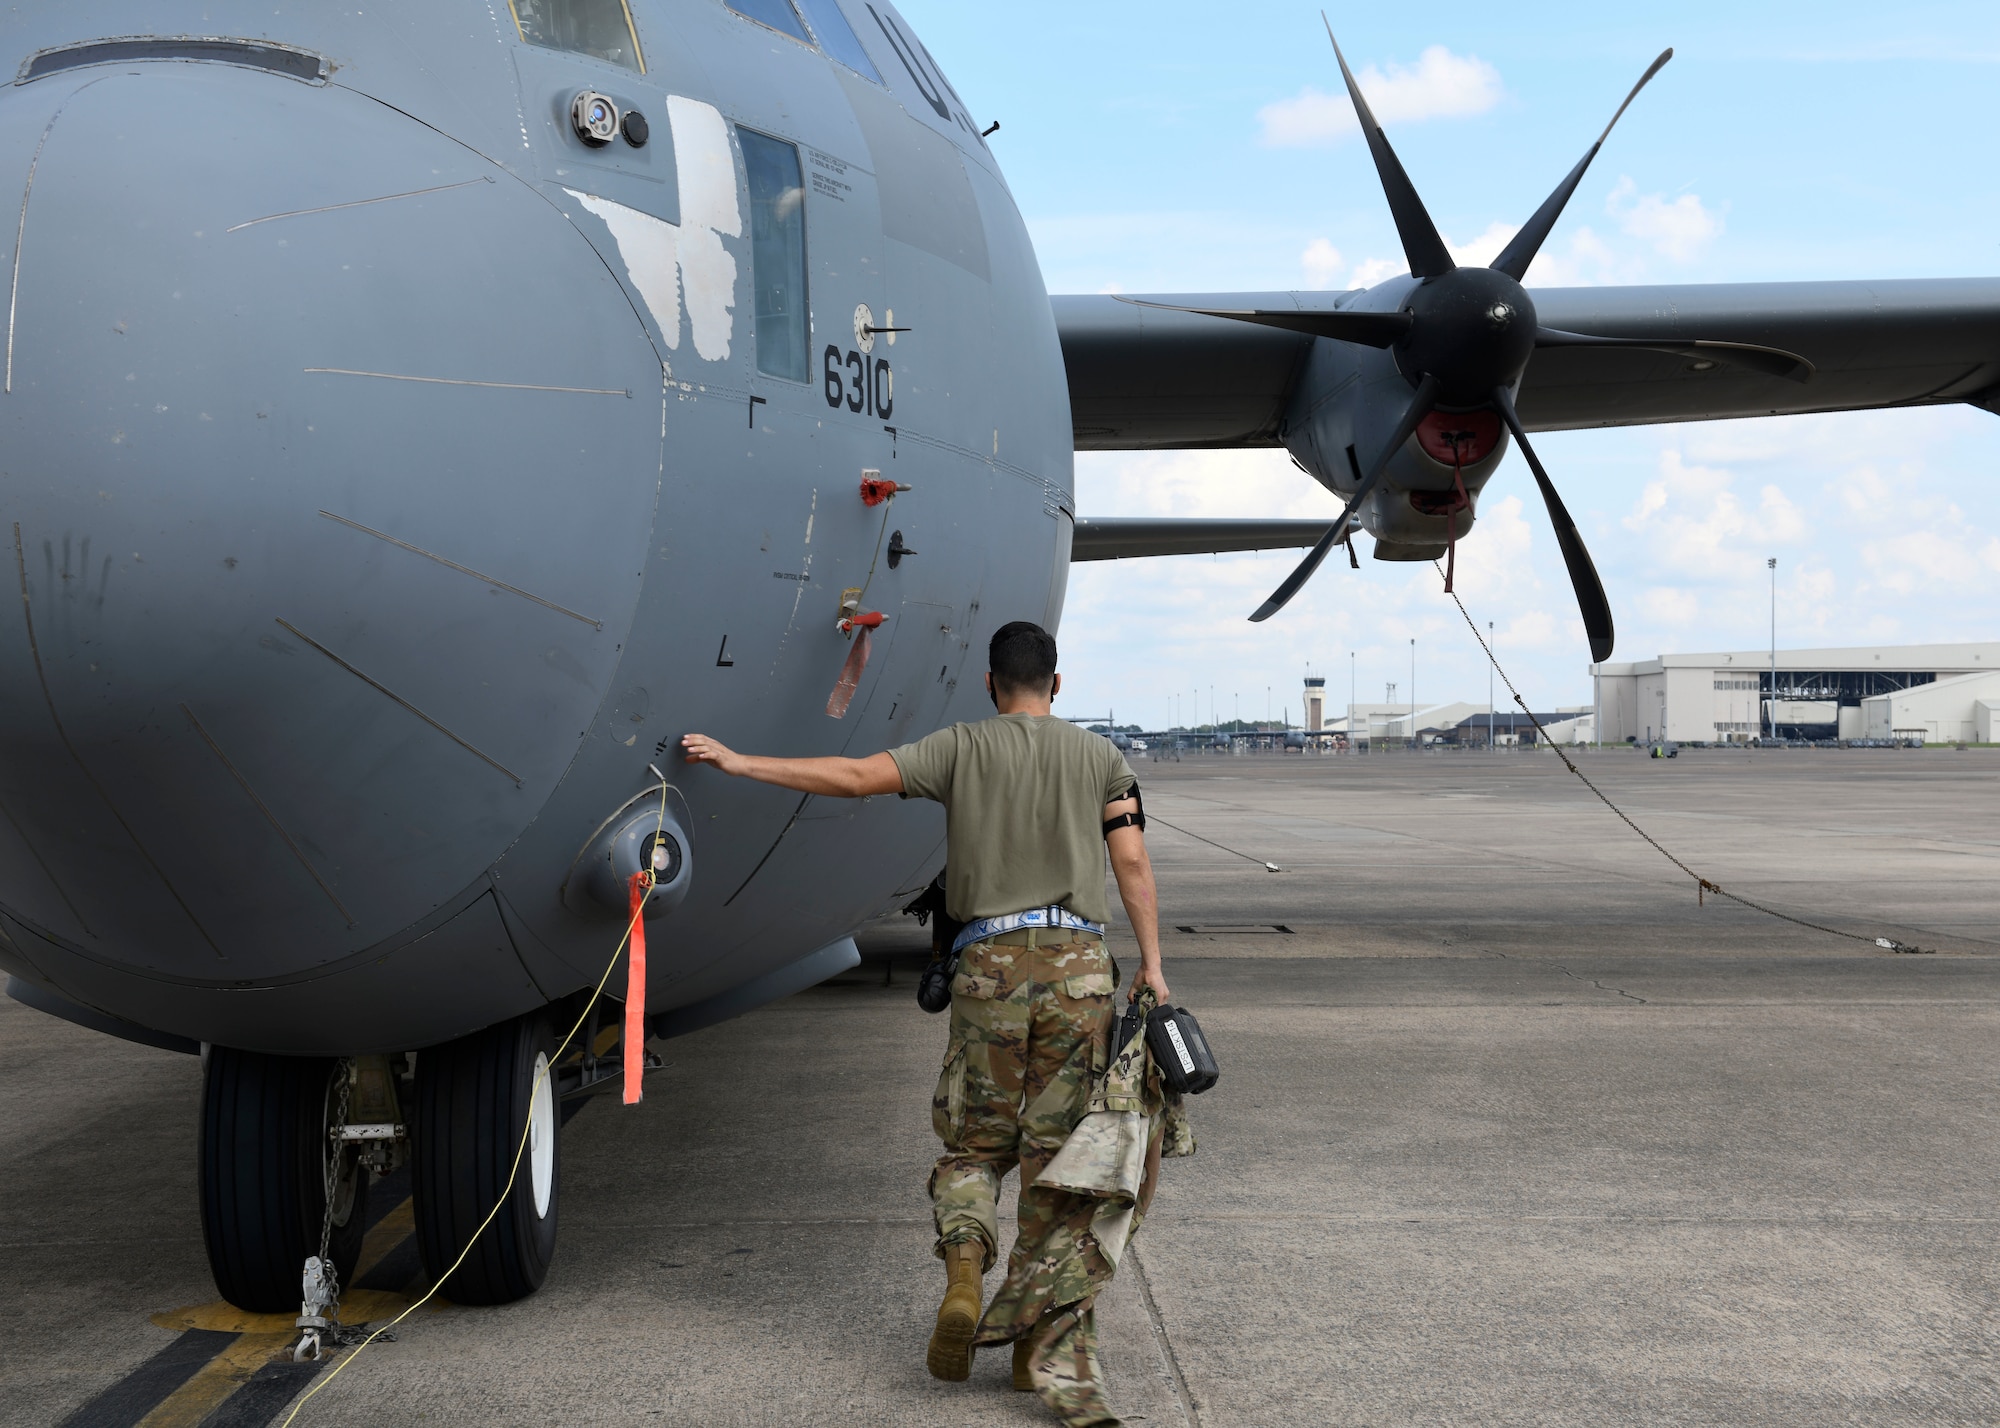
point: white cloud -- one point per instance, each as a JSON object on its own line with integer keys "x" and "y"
{"x": 1670, "y": 606}
{"x": 1371, "y": 271}
{"x": 1679, "y": 229}
{"x": 1202, "y": 483}
{"x": 1483, "y": 249}
{"x": 1309, "y": 117}
{"x": 1325, "y": 267}
{"x": 1582, "y": 260}
{"x": 1440, "y": 85}
{"x": 1496, "y": 557}
{"x": 1916, "y": 540}
{"x": 1322, "y": 262}
{"x": 1696, "y": 526}
{"x": 1531, "y": 630}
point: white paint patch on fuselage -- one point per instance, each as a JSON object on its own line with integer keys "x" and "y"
{"x": 650, "y": 249}
{"x": 709, "y": 213}
{"x": 669, "y": 263}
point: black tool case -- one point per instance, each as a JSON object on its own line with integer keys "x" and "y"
{"x": 1180, "y": 1050}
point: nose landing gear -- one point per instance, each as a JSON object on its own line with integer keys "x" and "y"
{"x": 266, "y": 1150}
{"x": 269, "y": 1153}
{"x": 474, "y": 1097}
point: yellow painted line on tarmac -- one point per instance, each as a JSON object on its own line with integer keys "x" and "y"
{"x": 359, "y": 1306}
{"x": 265, "y": 1337}
{"x": 226, "y": 1317}
{"x": 220, "y": 1377}
{"x": 390, "y": 1231}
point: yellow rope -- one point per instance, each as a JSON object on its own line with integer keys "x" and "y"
{"x": 519, "y": 1150}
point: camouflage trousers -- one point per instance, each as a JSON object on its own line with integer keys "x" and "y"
{"x": 1030, "y": 1027}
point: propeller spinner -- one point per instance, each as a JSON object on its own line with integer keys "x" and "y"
{"x": 1463, "y": 339}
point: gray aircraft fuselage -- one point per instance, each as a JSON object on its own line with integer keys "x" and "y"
{"x": 390, "y": 477}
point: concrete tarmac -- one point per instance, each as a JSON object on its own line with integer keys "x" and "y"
{"x": 1511, "y": 1130}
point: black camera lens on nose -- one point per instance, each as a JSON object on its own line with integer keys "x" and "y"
{"x": 637, "y": 130}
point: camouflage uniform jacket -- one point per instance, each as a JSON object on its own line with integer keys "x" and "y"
{"x": 1130, "y": 1113}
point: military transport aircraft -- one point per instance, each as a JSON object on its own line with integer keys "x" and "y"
{"x": 414, "y": 418}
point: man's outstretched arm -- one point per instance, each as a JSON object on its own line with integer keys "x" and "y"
{"x": 835, "y": 777}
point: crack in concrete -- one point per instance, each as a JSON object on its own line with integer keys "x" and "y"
{"x": 1189, "y": 1413}
{"x": 1615, "y": 991}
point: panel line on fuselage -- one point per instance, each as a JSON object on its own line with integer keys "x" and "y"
{"x": 470, "y": 382}
{"x": 465, "y": 570}
{"x": 269, "y": 817}
{"x": 21, "y": 234}
{"x": 357, "y": 203}
{"x": 385, "y": 689}
{"x": 1042, "y": 483}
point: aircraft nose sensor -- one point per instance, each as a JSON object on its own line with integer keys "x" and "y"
{"x": 595, "y": 118}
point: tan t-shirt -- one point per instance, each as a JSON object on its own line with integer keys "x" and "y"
{"x": 1024, "y": 798}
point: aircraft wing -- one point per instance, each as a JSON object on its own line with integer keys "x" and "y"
{"x": 1122, "y": 537}
{"x": 1145, "y": 378}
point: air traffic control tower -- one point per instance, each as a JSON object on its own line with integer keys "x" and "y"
{"x": 1315, "y": 703}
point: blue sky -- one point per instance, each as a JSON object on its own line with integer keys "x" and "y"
{"x": 1184, "y": 147}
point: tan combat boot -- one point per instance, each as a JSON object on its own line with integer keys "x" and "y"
{"x": 950, "y": 1354}
{"x": 1024, "y": 1353}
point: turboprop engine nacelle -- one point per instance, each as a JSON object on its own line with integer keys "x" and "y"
{"x": 1345, "y": 407}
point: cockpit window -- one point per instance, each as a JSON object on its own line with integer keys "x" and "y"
{"x": 778, "y": 14}
{"x": 602, "y": 29}
{"x": 837, "y": 37}
{"x": 777, "y": 253}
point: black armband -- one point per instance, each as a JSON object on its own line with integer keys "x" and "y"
{"x": 1135, "y": 819}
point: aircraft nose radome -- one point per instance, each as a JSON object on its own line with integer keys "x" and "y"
{"x": 331, "y": 454}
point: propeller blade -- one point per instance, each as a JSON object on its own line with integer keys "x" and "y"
{"x": 1520, "y": 252}
{"x": 1428, "y": 256}
{"x": 1590, "y": 601}
{"x": 1370, "y": 329}
{"x": 1771, "y": 361}
{"x": 1419, "y": 408}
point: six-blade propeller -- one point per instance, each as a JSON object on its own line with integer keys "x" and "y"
{"x": 1463, "y": 338}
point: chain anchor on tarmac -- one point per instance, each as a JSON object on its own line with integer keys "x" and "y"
{"x": 314, "y": 1325}
{"x": 319, "y": 1323}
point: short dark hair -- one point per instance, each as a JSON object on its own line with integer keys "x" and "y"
{"x": 1022, "y": 658}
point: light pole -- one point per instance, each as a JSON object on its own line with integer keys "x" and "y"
{"x": 1416, "y": 740}
{"x": 1353, "y": 695}
{"x": 1489, "y": 688}
{"x": 1772, "y": 566}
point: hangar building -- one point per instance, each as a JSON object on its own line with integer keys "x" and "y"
{"x": 1880, "y": 691}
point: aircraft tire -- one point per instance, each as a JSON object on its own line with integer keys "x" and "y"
{"x": 264, "y": 1143}
{"x": 474, "y": 1098}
